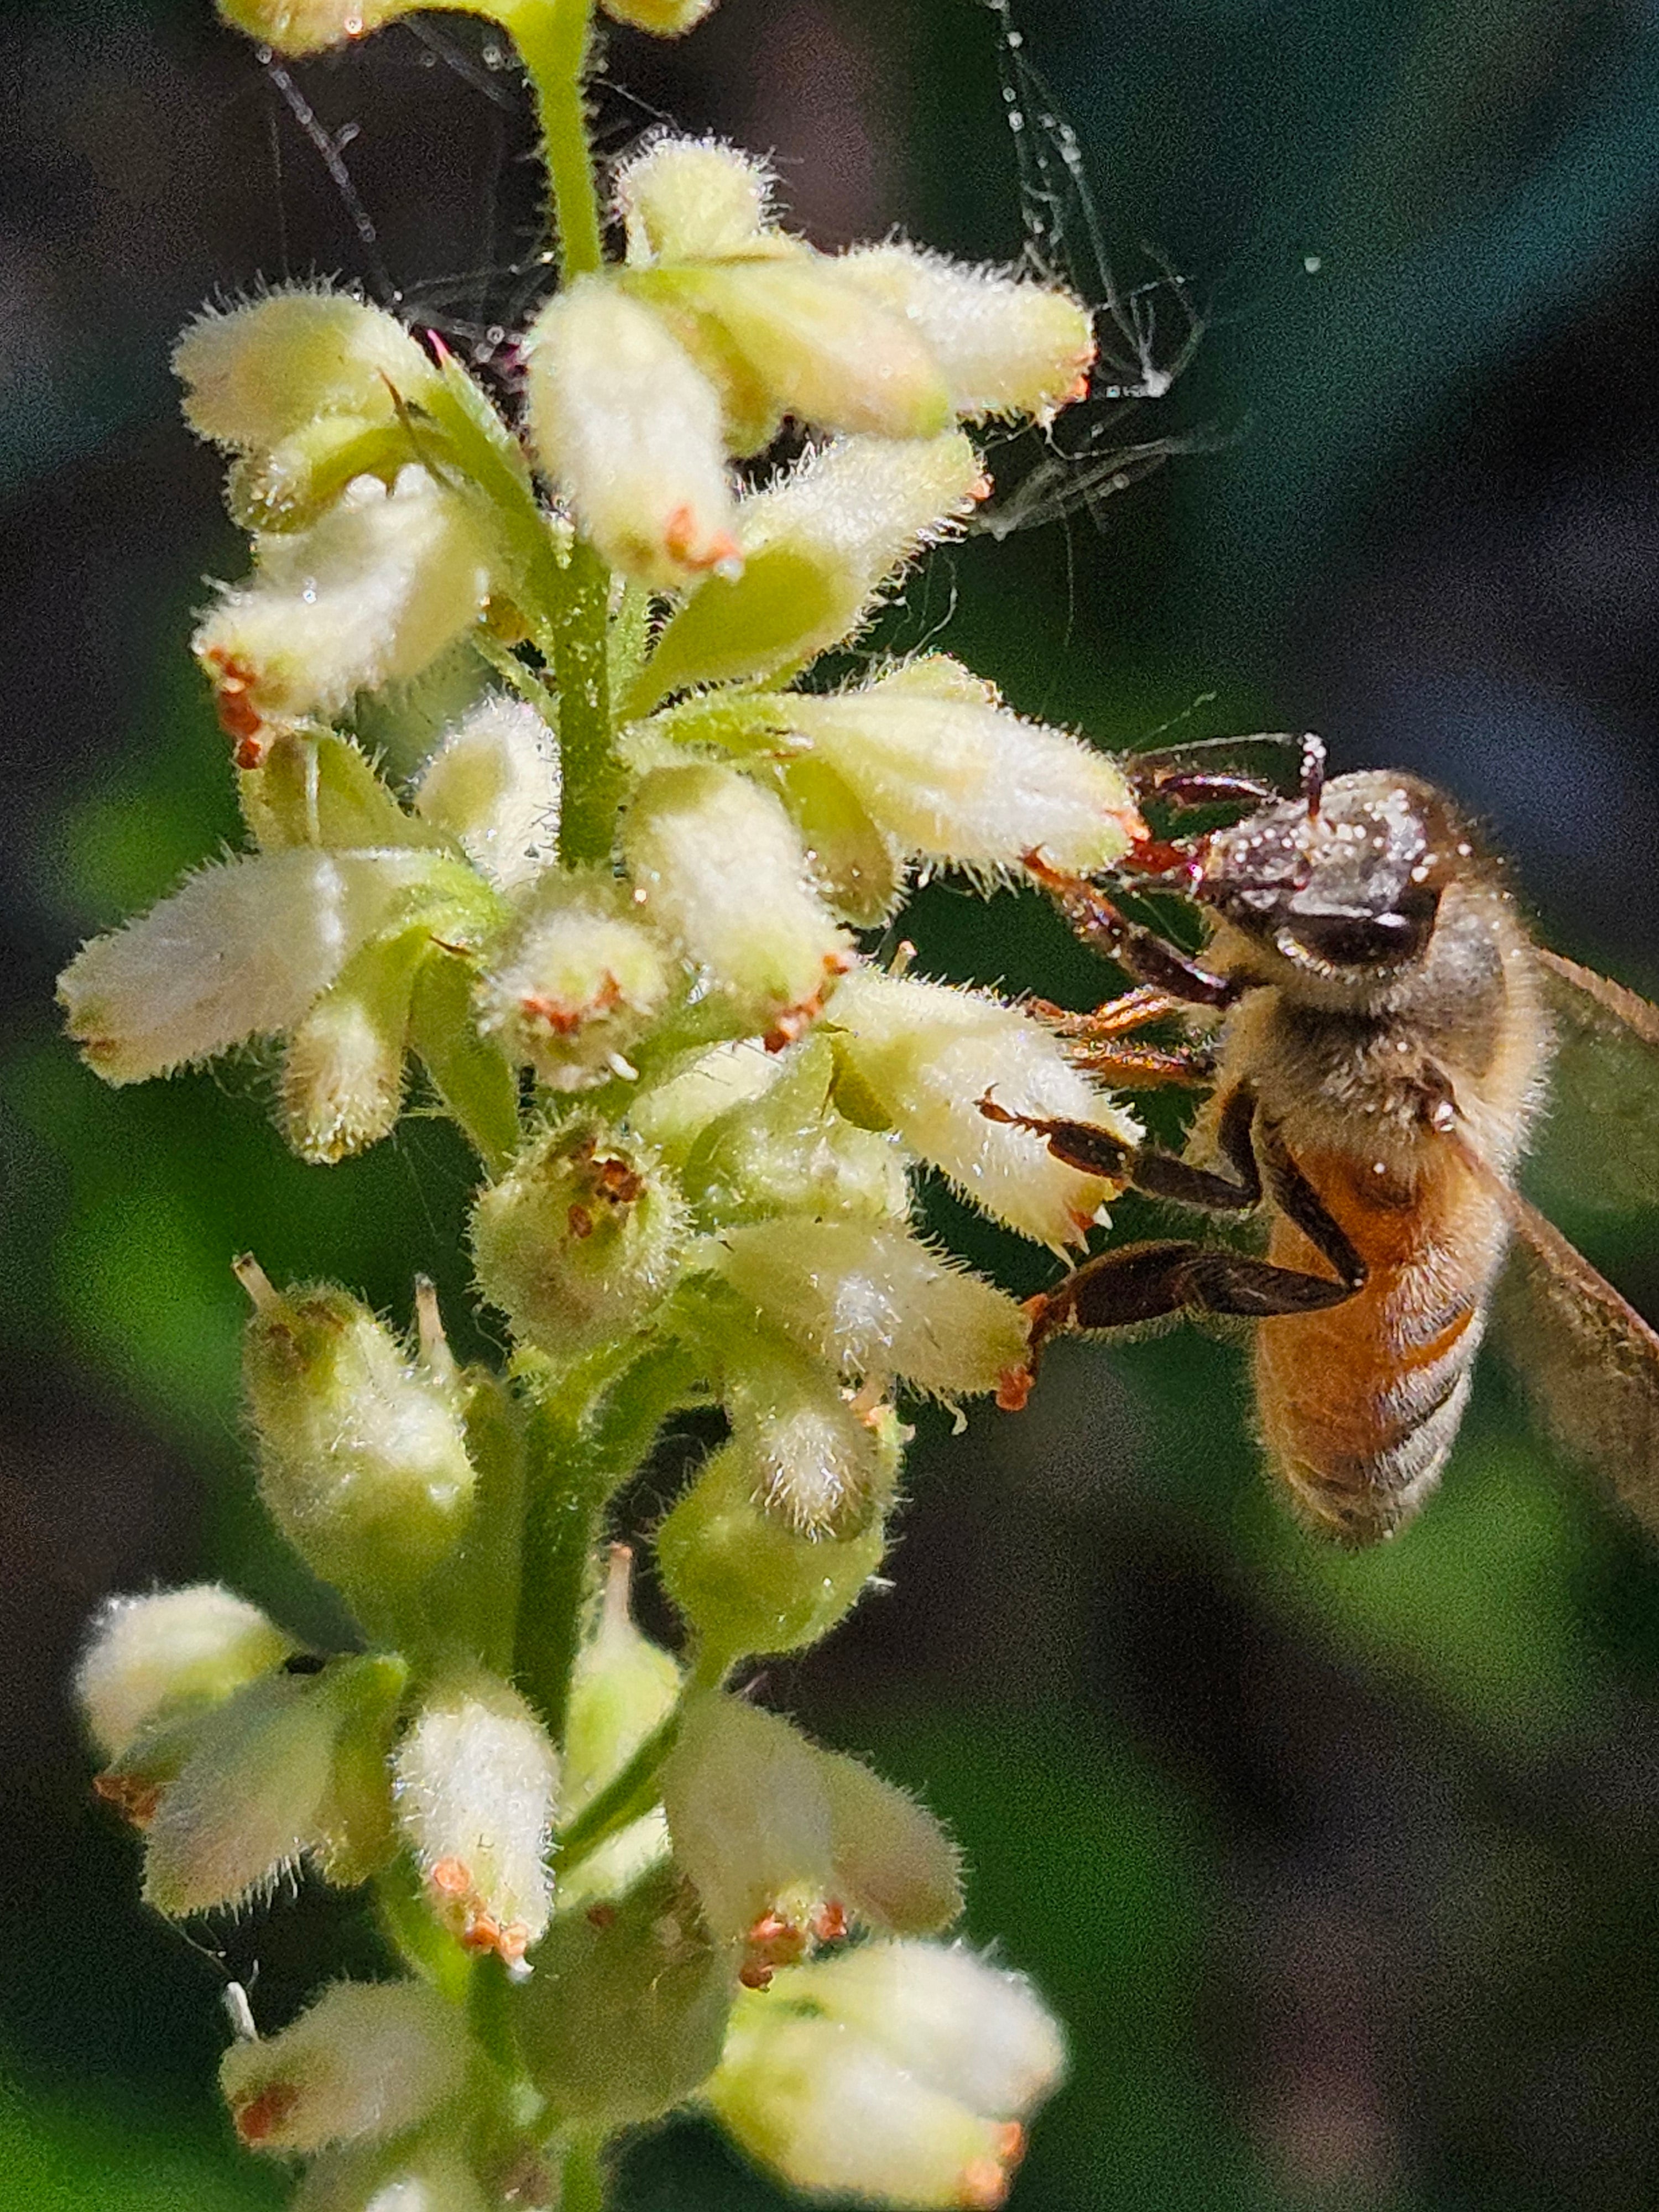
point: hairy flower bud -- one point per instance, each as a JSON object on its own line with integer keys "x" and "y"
{"x": 368, "y": 2060}
{"x": 368, "y": 594}
{"x": 627, "y": 425}
{"x": 816, "y": 1460}
{"x": 1007, "y": 346}
{"x": 242, "y": 949}
{"x": 626, "y": 2014}
{"x": 306, "y": 27}
{"x": 493, "y": 785}
{"x": 818, "y": 546}
{"x": 257, "y": 375}
{"x": 897, "y": 2071}
{"x": 718, "y": 866}
{"x": 362, "y": 1448}
{"x": 953, "y": 779}
{"x": 789, "y": 1151}
{"x": 575, "y": 982}
{"x": 873, "y": 1300}
{"x": 150, "y": 1658}
{"x": 770, "y": 1828}
{"x": 792, "y": 333}
{"x": 928, "y": 1053}
{"x": 475, "y": 1779}
{"x": 581, "y": 1242}
{"x": 343, "y": 1072}
{"x": 748, "y": 1581}
{"x": 289, "y": 1768}
{"x": 686, "y": 199}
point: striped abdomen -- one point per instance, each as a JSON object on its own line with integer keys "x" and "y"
{"x": 1359, "y": 1405}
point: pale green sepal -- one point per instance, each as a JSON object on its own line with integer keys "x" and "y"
{"x": 740, "y": 629}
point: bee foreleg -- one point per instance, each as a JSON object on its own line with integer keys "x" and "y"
{"x": 1139, "y": 952}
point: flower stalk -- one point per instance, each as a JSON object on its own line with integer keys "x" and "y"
{"x": 611, "y": 926}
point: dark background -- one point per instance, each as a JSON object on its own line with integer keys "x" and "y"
{"x": 1344, "y": 1872}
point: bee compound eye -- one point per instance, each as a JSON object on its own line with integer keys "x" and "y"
{"x": 1355, "y": 940}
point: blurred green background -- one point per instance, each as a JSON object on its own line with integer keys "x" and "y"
{"x": 1344, "y": 1872}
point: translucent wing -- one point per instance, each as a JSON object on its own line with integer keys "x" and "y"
{"x": 1599, "y": 1145}
{"x": 1586, "y": 1359}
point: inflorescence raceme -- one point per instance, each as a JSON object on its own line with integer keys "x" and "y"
{"x": 598, "y": 878}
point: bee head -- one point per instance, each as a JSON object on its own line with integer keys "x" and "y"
{"x": 1347, "y": 895}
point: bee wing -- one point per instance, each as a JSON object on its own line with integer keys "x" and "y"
{"x": 1586, "y": 1357}
{"x": 1600, "y": 1144}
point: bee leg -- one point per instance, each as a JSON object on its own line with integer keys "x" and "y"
{"x": 1140, "y": 952}
{"x": 1144, "y": 1282}
{"x": 1096, "y": 1041}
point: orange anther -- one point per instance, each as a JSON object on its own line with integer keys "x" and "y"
{"x": 262, "y": 2113}
{"x": 1013, "y": 1388}
{"x": 450, "y": 1877}
{"x": 983, "y": 2185}
{"x": 602, "y": 1915}
{"x": 580, "y": 1222}
{"x": 830, "y": 1922}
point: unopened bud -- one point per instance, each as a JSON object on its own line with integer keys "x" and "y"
{"x": 1006, "y": 345}
{"x": 746, "y": 1580}
{"x": 576, "y": 983}
{"x": 369, "y": 594}
{"x": 626, "y": 2016}
{"x": 719, "y": 868}
{"x": 476, "y": 1778}
{"x": 290, "y": 1768}
{"x": 841, "y": 2097}
{"x": 343, "y": 1072}
{"x": 957, "y": 780}
{"x": 362, "y": 1448}
{"x": 789, "y": 1151}
{"x": 150, "y": 1658}
{"x": 814, "y": 346}
{"x": 873, "y": 1300}
{"x": 929, "y": 1052}
{"x": 581, "y": 1242}
{"x": 693, "y": 199}
{"x": 817, "y": 1461}
{"x": 306, "y": 27}
{"x": 241, "y": 950}
{"x": 818, "y": 547}
{"x": 257, "y": 375}
{"x": 368, "y": 2060}
{"x": 895, "y": 1867}
{"x": 494, "y": 785}
{"x": 627, "y": 425}
{"x": 663, "y": 19}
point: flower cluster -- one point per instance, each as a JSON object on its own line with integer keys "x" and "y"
{"x": 611, "y": 918}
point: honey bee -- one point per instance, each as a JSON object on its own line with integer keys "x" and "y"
{"x": 1384, "y": 1026}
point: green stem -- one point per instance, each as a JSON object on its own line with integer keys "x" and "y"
{"x": 565, "y": 1496}
{"x": 581, "y": 2181}
{"x": 592, "y": 781}
{"x": 552, "y": 37}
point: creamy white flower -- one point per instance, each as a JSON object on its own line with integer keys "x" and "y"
{"x": 494, "y": 785}
{"x": 149, "y": 1655}
{"x": 368, "y": 2060}
{"x": 475, "y": 1780}
{"x": 630, "y": 429}
{"x": 241, "y": 950}
{"x": 929, "y": 1052}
